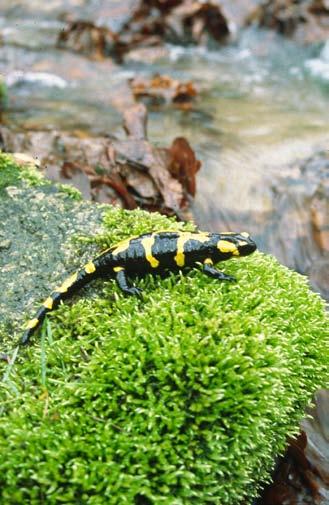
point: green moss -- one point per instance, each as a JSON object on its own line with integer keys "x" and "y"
{"x": 184, "y": 396}
{"x": 9, "y": 172}
{"x": 72, "y": 192}
{"x": 12, "y": 174}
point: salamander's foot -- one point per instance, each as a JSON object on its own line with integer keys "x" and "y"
{"x": 133, "y": 291}
{"x": 124, "y": 285}
{"x": 225, "y": 277}
{"x": 209, "y": 270}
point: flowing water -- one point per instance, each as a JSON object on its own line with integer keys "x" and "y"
{"x": 263, "y": 106}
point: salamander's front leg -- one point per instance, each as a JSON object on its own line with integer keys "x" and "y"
{"x": 122, "y": 281}
{"x": 210, "y": 270}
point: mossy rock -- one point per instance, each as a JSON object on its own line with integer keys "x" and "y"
{"x": 185, "y": 396}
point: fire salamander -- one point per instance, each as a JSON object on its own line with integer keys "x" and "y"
{"x": 155, "y": 252}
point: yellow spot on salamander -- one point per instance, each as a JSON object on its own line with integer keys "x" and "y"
{"x": 32, "y": 323}
{"x": 245, "y": 234}
{"x": 208, "y": 261}
{"x": 90, "y": 267}
{"x": 227, "y": 247}
{"x": 117, "y": 269}
{"x": 67, "y": 284}
{"x": 48, "y": 303}
{"x": 147, "y": 243}
{"x": 181, "y": 241}
{"x": 121, "y": 246}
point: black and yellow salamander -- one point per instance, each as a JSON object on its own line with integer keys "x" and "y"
{"x": 154, "y": 252}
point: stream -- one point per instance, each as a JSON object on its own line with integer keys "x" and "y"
{"x": 261, "y": 113}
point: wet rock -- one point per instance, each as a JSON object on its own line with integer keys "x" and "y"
{"x": 36, "y": 227}
{"x": 319, "y": 277}
{"x": 86, "y": 38}
{"x": 162, "y": 89}
{"x": 319, "y": 219}
{"x": 196, "y": 22}
{"x": 300, "y": 223}
{"x": 135, "y": 122}
{"x": 306, "y": 21}
{"x": 150, "y": 25}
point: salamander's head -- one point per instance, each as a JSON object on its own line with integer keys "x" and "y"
{"x": 236, "y": 244}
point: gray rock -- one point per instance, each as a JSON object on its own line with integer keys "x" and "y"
{"x": 36, "y": 248}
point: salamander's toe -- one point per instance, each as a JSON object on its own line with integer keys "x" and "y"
{"x": 134, "y": 291}
{"x": 229, "y": 278}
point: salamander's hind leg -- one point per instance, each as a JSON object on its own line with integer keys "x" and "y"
{"x": 122, "y": 281}
{"x": 211, "y": 271}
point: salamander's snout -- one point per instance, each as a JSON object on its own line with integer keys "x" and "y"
{"x": 245, "y": 244}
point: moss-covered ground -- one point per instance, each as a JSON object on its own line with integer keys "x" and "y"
{"x": 184, "y": 396}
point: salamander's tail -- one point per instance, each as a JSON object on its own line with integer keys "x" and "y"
{"x": 49, "y": 304}
{"x": 65, "y": 290}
